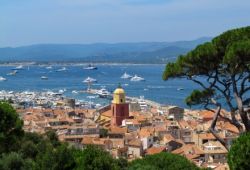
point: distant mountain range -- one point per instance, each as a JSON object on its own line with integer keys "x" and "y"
{"x": 143, "y": 52}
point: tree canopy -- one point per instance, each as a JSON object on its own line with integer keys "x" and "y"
{"x": 222, "y": 69}
{"x": 10, "y": 128}
{"x": 162, "y": 161}
{"x": 239, "y": 154}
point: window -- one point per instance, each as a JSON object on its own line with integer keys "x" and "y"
{"x": 121, "y": 100}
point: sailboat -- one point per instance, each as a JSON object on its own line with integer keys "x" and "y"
{"x": 89, "y": 80}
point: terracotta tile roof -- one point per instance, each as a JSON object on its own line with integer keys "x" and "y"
{"x": 205, "y": 114}
{"x": 134, "y": 114}
{"x": 107, "y": 113}
{"x": 88, "y": 140}
{"x": 188, "y": 149}
{"x": 135, "y": 142}
{"x": 184, "y": 124}
{"x": 118, "y": 130}
{"x": 228, "y": 126}
{"x": 168, "y": 137}
{"x": 206, "y": 136}
{"x": 146, "y": 132}
{"x": 155, "y": 150}
{"x": 160, "y": 128}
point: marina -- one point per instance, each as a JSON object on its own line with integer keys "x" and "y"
{"x": 108, "y": 76}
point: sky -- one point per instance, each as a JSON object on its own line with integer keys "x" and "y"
{"x": 26, "y": 22}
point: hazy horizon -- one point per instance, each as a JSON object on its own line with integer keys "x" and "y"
{"x": 116, "y": 21}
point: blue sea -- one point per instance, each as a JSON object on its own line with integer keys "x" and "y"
{"x": 154, "y": 88}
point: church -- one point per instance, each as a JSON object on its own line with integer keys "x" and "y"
{"x": 116, "y": 112}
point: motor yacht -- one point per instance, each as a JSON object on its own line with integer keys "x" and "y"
{"x": 49, "y": 67}
{"x": 2, "y": 78}
{"x": 20, "y": 67}
{"x": 62, "y": 69}
{"x": 103, "y": 93}
{"x": 44, "y": 78}
{"x": 137, "y": 78}
{"x": 90, "y": 67}
{"x": 13, "y": 73}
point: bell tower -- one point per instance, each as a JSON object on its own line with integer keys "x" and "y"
{"x": 120, "y": 109}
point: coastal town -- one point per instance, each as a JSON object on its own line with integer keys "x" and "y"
{"x": 128, "y": 127}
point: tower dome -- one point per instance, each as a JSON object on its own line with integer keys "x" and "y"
{"x": 119, "y": 95}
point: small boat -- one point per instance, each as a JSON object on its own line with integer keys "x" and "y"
{"x": 62, "y": 69}
{"x": 89, "y": 80}
{"x": 137, "y": 78}
{"x": 74, "y": 92}
{"x": 180, "y": 88}
{"x": 44, "y": 78}
{"x": 2, "y": 78}
{"x": 126, "y": 76}
{"x": 13, "y": 73}
{"x": 20, "y": 67}
{"x": 49, "y": 67}
{"x": 90, "y": 67}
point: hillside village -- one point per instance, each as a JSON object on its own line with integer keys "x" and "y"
{"x": 133, "y": 129}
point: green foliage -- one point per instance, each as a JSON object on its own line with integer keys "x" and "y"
{"x": 60, "y": 158}
{"x": 239, "y": 154}
{"x": 162, "y": 161}
{"x": 223, "y": 63}
{"x": 52, "y": 136}
{"x": 198, "y": 97}
{"x": 93, "y": 158}
{"x": 10, "y": 128}
{"x": 103, "y": 133}
{"x": 237, "y": 55}
{"x": 14, "y": 161}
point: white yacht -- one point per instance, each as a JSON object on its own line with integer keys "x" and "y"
{"x": 74, "y": 92}
{"x": 49, "y": 67}
{"x": 180, "y": 88}
{"x": 90, "y": 67}
{"x": 126, "y": 76}
{"x": 2, "y": 78}
{"x": 137, "y": 78}
{"x": 44, "y": 78}
{"x": 20, "y": 67}
{"x": 13, "y": 73}
{"x": 62, "y": 69}
{"x": 89, "y": 80}
{"x": 103, "y": 93}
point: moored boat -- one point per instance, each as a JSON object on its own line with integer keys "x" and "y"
{"x": 90, "y": 67}
{"x": 126, "y": 76}
{"x": 137, "y": 78}
{"x": 2, "y": 78}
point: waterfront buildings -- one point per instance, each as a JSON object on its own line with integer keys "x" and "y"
{"x": 134, "y": 133}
